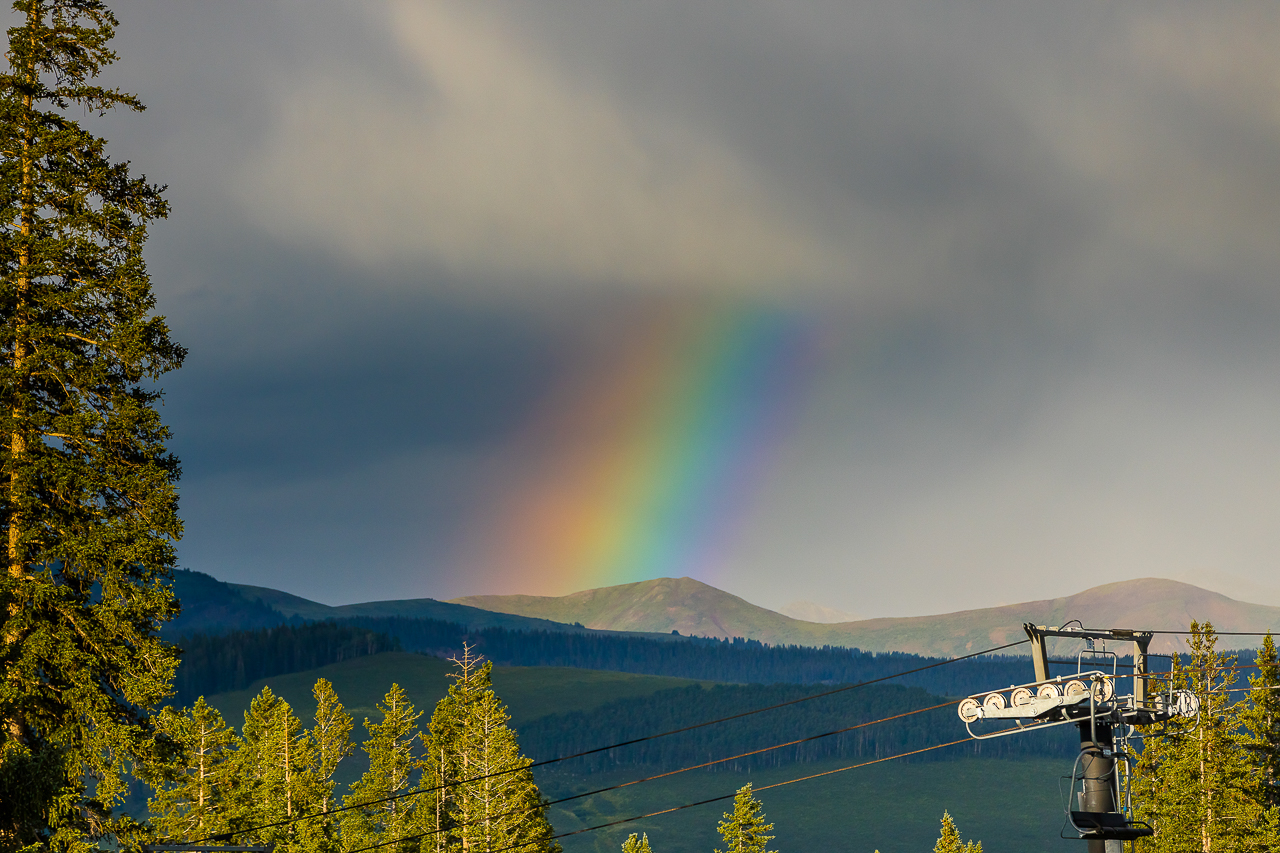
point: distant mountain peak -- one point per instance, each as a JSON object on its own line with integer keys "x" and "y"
{"x": 661, "y": 605}
{"x": 809, "y": 611}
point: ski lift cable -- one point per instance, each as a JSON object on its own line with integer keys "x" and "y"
{"x": 1216, "y": 633}
{"x": 659, "y": 776}
{"x": 620, "y": 744}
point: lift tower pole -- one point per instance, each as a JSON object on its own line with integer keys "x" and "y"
{"x": 1098, "y": 766}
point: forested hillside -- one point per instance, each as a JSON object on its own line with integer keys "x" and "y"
{"x": 214, "y": 663}
{"x": 210, "y": 606}
{"x": 566, "y": 734}
{"x": 737, "y": 660}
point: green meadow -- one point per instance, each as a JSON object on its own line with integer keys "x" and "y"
{"x": 529, "y": 692}
{"x": 1011, "y": 805}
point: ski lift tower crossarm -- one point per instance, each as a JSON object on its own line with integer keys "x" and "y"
{"x": 1141, "y": 642}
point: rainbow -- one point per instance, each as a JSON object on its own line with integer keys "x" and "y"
{"x": 645, "y": 463}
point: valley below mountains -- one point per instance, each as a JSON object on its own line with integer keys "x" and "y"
{"x": 604, "y": 667}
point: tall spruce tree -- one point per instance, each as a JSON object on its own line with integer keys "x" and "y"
{"x": 493, "y": 802}
{"x": 290, "y": 779}
{"x": 394, "y": 767}
{"x": 331, "y": 743}
{"x": 743, "y": 830}
{"x": 249, "y": 768}
{"x": 88, "y": 502}
{"x": 190, "y": 803}
{"x": 1262, "y": 723}
{"x": 441, "y": 773}
{"x": 271, "y": 773}
{"x": 1193, "y": 781}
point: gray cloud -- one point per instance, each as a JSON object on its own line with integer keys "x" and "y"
{"x": 1041, "y": 239}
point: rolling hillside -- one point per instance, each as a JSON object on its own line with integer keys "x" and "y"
{"x": 659, "y": 606}
{"x": 692, "y": 607}
{"x": 656, "y": 608}
{"x": 211, "y": 606}
{"x": 530, "y": 692}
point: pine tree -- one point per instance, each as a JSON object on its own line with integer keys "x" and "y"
{"x": 441, "y": 773}
{"x": 743, "y": 829}
{"x": 949, "y": 839}
{"x": 500, "y": 807}
{"x": 636, "y": 844}
{"x": 289, "y": 778}
{"x": 330, "y": 744}
{"x": 88, "y": 504}
{"x": 190, "y": 804}
{"x": 1262, "y": 722}
{"x": 247, "y": 769}
{"x": 269, "y": 778}
{"x": 393, "y": 769}
{"x": 1193, "y": 782}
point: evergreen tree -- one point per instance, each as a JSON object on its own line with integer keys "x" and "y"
{"x": 441, "y": 773}
{"x": 743, "y": 829}
{"x": 1262, "y": 723}
{"x": 636, "y": 844}
{"x": 331, "y": 743}
{"x": 247, "y": 767}
{"x": 949, "y": 839}
{"x": 1193, "y": 782}
{"x": 393, "y": 768}
{"x": 87, "y": 502}
{"x": 190, "y": 804}
{"x": 500, "y": 806}
{"x": 289, "y": 778}
{"x": 269, "y": 771}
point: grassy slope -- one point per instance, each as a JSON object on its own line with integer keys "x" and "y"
{"x": 692, "y": 607}
{"x": 1011, "y": 806}
{"x": 658, "y": 606}
{"x": 529, "y": 692}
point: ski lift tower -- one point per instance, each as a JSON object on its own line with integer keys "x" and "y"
{"x": 1092, "y": 700}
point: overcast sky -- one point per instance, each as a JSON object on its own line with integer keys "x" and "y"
{"x": 1032, "y": 249}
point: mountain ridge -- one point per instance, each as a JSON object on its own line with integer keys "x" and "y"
{"x": 664, "y": 606}
{"x": 690, "y": 606}
{"x": 211, "y": 606}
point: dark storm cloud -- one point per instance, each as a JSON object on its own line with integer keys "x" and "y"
{"x": 1042, "y": 237}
